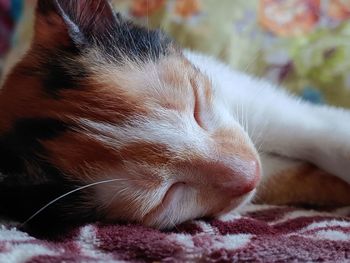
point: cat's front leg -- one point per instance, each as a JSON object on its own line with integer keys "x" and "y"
{"x": 317, "y": 134}
{"x": 290, "y": 182}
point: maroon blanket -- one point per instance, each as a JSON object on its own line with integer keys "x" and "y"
{"x": 258, "y": 234}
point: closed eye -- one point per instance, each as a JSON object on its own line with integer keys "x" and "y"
{"x": 197, "y": 104}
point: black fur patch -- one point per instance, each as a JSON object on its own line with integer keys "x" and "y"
{"x": 57, "y": 77}
{"x": 28, "y": 181}
{"x": 60, "y": 74}
{"x": 58, "y": 69}
{"x": 22, "y": 144}
{"x": 22, "y": 202}
{"x": 137, "y": 42}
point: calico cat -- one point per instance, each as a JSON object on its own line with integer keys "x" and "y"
{"x": 104, "y": 120}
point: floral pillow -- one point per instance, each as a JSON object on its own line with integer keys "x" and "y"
{"x": 302, "y": 44}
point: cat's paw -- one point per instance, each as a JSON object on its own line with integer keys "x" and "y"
{"x": 333, "y": 154}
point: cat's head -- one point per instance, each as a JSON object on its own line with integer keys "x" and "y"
{"x": 97, "y": 98}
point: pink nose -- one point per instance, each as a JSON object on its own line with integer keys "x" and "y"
{"x": 243, "y": 179}
{"x": 235, "y": 177}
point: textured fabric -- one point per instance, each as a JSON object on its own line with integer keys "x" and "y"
{"x": 259, "y": 234}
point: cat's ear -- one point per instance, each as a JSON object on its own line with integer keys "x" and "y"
{"x": 72, "y": 21}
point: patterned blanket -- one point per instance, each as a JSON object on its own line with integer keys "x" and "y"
{"x": 257, "y": 234}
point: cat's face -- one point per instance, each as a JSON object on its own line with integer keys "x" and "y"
{"x": 97, "y": 98}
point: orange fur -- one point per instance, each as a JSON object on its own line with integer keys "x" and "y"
{"x": 81, "y": 156}
{"x": 230, "y": 140}
{"x": 23, "y": 96}
{"x": 44, "y": 28}
{"x": 150, "y": 153}
{"x": 304, "y": 184}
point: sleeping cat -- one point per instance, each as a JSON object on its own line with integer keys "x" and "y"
{"x": 105, "y": 120}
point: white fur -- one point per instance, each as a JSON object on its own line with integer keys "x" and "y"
{"x": 280, "y": 123}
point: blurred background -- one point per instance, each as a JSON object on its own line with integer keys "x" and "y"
{"x": 302, "y": 44}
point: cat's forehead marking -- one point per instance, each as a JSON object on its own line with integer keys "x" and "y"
{"x": 169, "y": 82}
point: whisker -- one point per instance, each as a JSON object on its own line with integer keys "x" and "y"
{"x": 66, "y": 194}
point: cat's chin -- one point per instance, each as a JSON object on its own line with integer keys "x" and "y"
{"x": 180, "y": 205}
{"x": 175, "y": 207}
{"x": 238, "y": 203}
